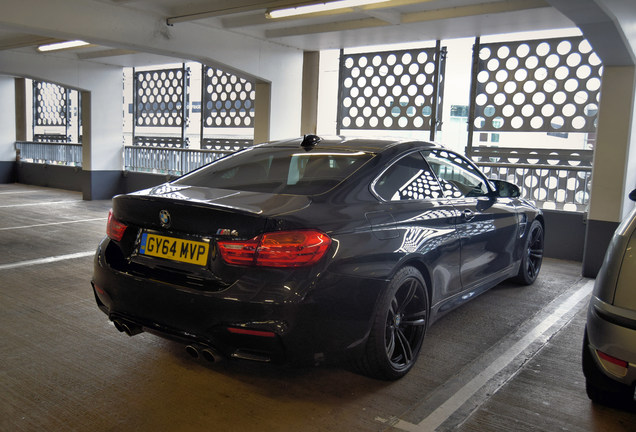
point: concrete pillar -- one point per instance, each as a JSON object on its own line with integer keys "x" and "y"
{"x": 102, "y": 142}
{"x": 309, "y": 112}
{"x": 20, "y": 110}
{"x": 7, "y": 129}
{"x": 614, "y": 174}
{"x": 262, "y": 112}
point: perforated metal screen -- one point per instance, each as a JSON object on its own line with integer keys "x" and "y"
{"x": 227, "y": 100}
{"x": 396, "y": 90}
{"x": 50, "y": 104}
{"x": 160, "y": 98}
{"x": 548, "y": 85}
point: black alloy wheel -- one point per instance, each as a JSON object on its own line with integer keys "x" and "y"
{"x": 532, "y": 254}
{"x": 398, "y": 328}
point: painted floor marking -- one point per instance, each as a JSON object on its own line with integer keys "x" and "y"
{"x": 444, "y": 411}
{"x": 53, "y": 223}
{"x": 41, "y": 203}
{"x": 46, "y": 260}
{"x": 19, "y": 192}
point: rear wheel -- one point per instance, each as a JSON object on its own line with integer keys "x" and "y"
{"x": 398, "y": 327}
{"x": 532, "y": 255}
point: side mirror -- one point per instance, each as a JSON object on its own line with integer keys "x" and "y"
{"x": 632, "y": 195}
{"x": 505, "y": 189}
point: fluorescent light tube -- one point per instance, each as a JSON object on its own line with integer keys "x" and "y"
{"x": 62, "y": 45}
{"x": 319, "y": 7}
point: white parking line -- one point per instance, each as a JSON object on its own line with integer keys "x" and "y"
{"x": 41, "y": 203}
{"x": 53, "y": 223}
{"x": 542, "y": 330}
{"x": 46, "y": 260}
{"x": 19, "y": 192}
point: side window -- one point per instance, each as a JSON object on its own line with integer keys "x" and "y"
{"x": 409, "y": 178}
{"x": 458, "y": 178}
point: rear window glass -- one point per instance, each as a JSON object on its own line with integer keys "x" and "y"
{"x": 279, "y": 170}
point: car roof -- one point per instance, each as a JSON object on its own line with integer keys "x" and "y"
{"x": 372, "y": 145}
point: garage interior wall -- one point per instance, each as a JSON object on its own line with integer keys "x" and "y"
{"x": 612, "y": 179}
{"x": 7, "y": 129}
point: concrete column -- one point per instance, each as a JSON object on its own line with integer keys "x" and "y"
{"x": 20, "y": 110}
{"x": 614, "y": 174}
{"x": 86, "y": 118}
{"x": 102, "y": 152}
{"x": 309, "y": 111}
{"x": 262, "y": 112}
{"x": 7, "y": 129}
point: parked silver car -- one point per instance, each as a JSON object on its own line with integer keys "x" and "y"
{"x": 609, "y": 347}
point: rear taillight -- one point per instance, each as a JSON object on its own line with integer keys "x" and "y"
{"x": 277, "y": 249}
{"x": 249, "y": 332}
{"x": 612, "y": 364}
{"x": 115, "y": 229}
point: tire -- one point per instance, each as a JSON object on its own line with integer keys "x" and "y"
{"x": 398, "y": 327}
{"x": 602, "y": 389}
{"x": 532, "y": 255}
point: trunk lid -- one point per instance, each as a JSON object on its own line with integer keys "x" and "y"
{"x": 204, "y": 211}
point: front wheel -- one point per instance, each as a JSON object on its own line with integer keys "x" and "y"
{"x": 398, "y": 327}
{"x": 532, "y": 255}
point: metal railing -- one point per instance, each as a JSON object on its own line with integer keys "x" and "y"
{"x": 557, "y": 187}
{"x": 550, "y": 187}
{"x": 170, "y": 161}
{"x": 49, "y": 153}
{"x": 554, "y": 179}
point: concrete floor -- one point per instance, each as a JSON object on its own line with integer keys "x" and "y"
{"x": 507, "y": 361}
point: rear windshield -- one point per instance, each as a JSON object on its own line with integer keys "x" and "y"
{"x": 279, "y": 170}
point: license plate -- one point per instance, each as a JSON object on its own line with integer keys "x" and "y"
{"x": 176, "y": 249}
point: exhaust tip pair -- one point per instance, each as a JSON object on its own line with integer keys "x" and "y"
{"x": 206, "y": 353}
{"x": 129, "y": 328}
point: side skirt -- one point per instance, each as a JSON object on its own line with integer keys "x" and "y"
{"x": 443, "y": 307}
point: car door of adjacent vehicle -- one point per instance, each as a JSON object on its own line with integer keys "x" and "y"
{"x": 487, "y": 225}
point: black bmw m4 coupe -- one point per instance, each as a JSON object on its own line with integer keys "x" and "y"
{"x": 314, "y": 250}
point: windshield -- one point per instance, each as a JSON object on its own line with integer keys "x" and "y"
{"x": 279, "y": 170}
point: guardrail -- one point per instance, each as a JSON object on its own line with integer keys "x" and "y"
{"x": 554, "y": 179}
{"x": 170, "y": 161}
{"x": 49, "y": 153}
{"x": 550, "y": 187}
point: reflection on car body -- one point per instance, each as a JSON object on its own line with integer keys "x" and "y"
{"x": 318, "y": 250}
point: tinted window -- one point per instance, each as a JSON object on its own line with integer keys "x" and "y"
{"x": 457, "y": 176}
{"x": 279, "y": 170}
{"x": 408, "y": 179}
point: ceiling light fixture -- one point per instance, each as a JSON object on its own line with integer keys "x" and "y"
{"x": 318, "y": 7}
{"x": 62, "y": 45}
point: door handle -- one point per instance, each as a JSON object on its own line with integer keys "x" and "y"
{"x": 468, "y": 215}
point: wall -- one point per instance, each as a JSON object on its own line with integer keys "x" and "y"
{"x": 610, "y": 178}
{"x": 7, "y": 129}
{"x": 105, "y": 86}
{"x": 112, "y": 26}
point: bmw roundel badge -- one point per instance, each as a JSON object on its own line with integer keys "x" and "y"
{"x": 164, "y": 218}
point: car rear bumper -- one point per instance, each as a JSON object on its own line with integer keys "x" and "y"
{"x": 308, "y": 321}
{"x": 612, "y": 331}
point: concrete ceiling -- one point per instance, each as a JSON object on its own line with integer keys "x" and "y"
{"x": 391, "y": 21}
{"x": 24, "y": 27}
